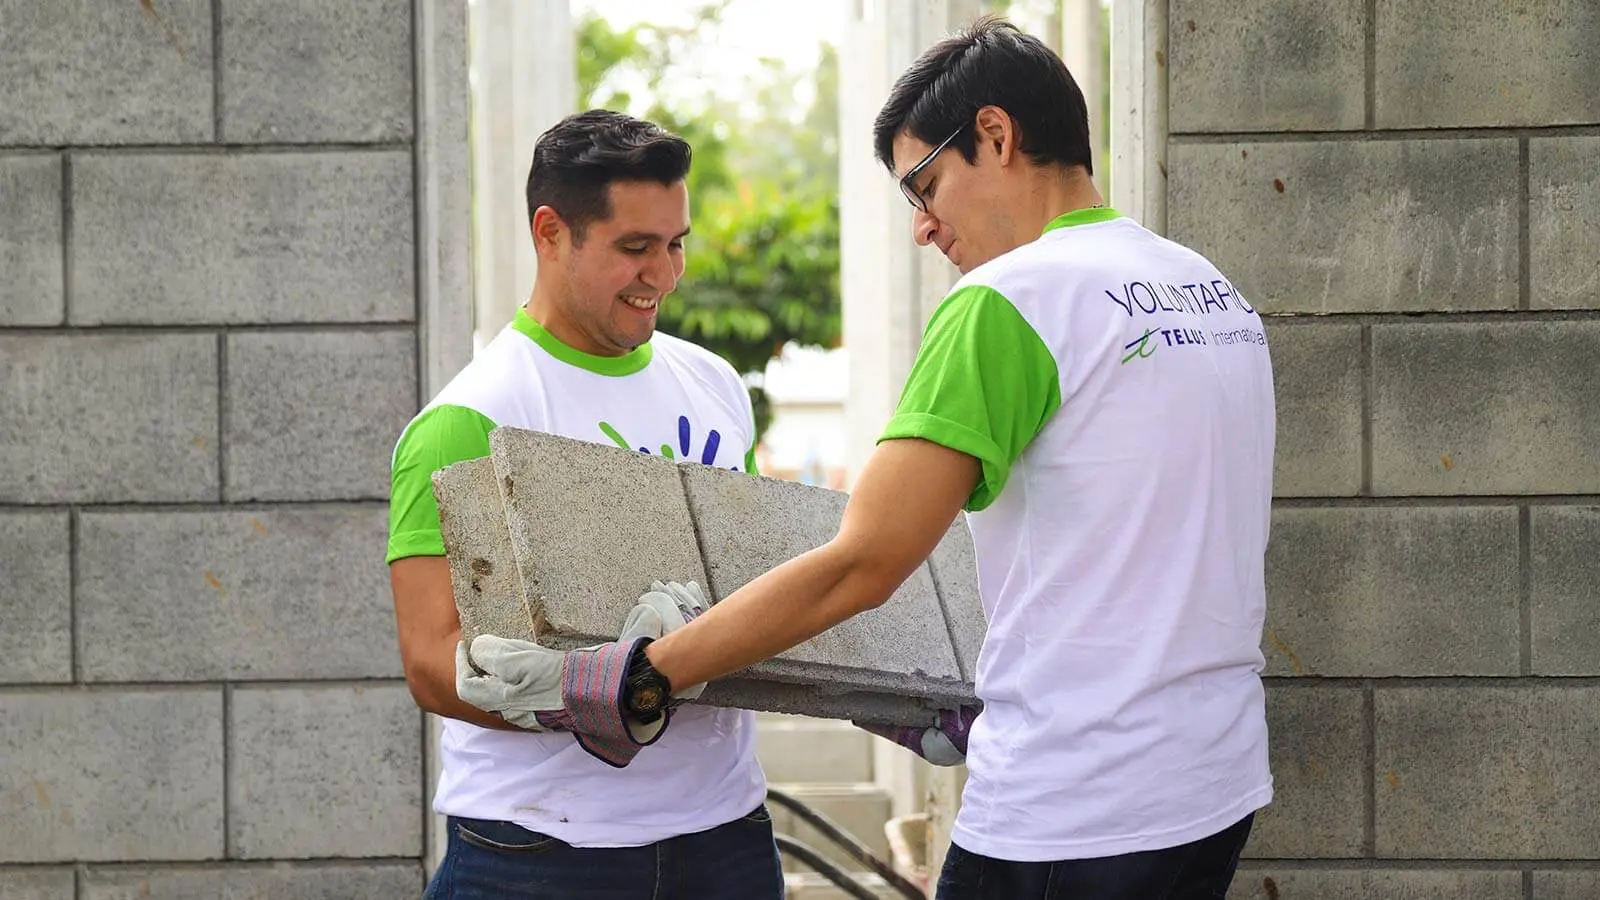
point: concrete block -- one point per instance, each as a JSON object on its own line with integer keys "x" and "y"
{"x": 954, "y": 567}
{"x": 31, "y": 293}
{"x": 802, "y": 749}
{"x": 110, "y": 775}
{"x": 87, "y": 418}
{"x": 1319, "y": 770}
{"x": 325, "y": 771}
{"x": 1302, "y": 67}
{"x": 811, "y": 886}
{"x": 1564, "y": 612}
{"x": 859, "y": 809}
{"x": 748, "y": 525}
{"x": 307, "y": 71}
{"x": 1317, "y": 374}
{"x": 312, "y": 416}
{"x": 105, "y": 72}
{"x": 1444, "y": 63}
{"x": 591, "y": 527}
{"x": 197, "y": 238}
{"x": 1496, "y": 408}
{"x": 483, "y": 568}
{"x": 255, "y": 881}
{"x": 37, "y": 884}
{"x": 1566, "y": 885}
{"x": 1276, "y": 883}
{"x": 1488, "y": 772}
{"x": 1392, "y": 592}
{"x": 234, "y": 595}
{"x": 1433, "y": 224}
{"x": 1563, "y": 222}
{"x": 35, "y": 597}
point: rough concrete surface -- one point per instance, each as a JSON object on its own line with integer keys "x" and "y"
{"x": 591, "y": 527}
{"x": 748, "y": 525}
{"x": 1318, "y": 745}
{"x": 31, "y": 293}
{"x": 254, "y": 881}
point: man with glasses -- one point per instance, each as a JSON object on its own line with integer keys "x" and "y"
{"x": 1100, "y": 399}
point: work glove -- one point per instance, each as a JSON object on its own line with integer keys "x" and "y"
{"x": 943, "y": 743}
{"x": 665, "y": 608}
{"x": 539, "y": 689}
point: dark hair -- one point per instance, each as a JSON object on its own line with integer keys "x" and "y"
{"x": 575, "y": 162}
{"x": 990, "y": 63}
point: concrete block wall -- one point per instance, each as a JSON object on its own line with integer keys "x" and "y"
{"x": 209, "y": 298}
{"x": 1410, "y": 191}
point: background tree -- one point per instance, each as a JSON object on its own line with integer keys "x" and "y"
{"x": 763, "y": 260}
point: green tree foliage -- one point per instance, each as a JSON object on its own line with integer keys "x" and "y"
{"x": 763, "y": 258}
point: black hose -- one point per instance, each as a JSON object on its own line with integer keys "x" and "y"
{"x": 848, "y": 843}
{"x": 828, "y": 870}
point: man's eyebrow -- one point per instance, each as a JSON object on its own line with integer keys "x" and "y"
{"x": 633, "y": 236}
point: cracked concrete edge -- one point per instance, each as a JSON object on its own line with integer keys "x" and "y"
{"x": 483, "y": 570}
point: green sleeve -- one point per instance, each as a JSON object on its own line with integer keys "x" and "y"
{"x": 439, "y": 437}
{"x": 983, "y": 383}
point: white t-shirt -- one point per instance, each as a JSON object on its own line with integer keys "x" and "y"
{"x": 667, "y": 397}
{"x": 1117, "y": 390}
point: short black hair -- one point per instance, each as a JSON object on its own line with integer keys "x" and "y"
{"x": 990, "y": 63}
{"x": 575, "y": 162}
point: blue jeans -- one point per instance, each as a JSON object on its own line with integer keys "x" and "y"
{"x": 501, "y": 861}
{"x": 1201, "y": 870}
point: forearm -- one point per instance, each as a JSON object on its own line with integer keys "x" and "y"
{"x": 783, "y": 607}
{"x": 432, "y": 679}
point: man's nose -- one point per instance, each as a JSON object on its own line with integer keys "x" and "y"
{"x": 923, "y": 225}
{"x": 659, "y": 272}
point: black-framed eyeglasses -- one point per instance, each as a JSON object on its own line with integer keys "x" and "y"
{"x": 912, "y": 194}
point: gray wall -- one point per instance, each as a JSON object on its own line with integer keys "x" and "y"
{"x": 1411, "y": 190}
{"x": 208, "y": 344}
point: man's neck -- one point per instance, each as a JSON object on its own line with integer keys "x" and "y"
{"x": 1053, "y": 193}
{"x": 542, "y": 307}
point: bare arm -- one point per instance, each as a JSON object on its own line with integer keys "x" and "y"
{"x": 903, "y": 503}
{"x": 430, "y": 629}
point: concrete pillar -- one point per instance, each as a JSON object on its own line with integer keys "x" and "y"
{"x": 514, "y": 77}
{"x": 890, "y": 288}
{"x": 524, "y": 79}
{"x": 1139, "y": 111}
{"x": 1080, "y": 47}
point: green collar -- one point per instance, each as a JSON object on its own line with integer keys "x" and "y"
{"x": 1090, "y": 216}
{"x": 626, "y": 364}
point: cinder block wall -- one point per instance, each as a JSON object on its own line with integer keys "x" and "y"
{"x": 1410, "y": 190}
{"x": 207, "y": 348}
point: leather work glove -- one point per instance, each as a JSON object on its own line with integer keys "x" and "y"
{"x": 944, "y": 743}
{"x": 665, "y": 608}
{"x": 540, "y": 689}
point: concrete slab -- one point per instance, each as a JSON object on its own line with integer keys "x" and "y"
{"x": 584, "y": 529}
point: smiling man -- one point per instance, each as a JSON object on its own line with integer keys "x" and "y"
{"x": 1100, "y": 399}
{"x": 534, "y": 814}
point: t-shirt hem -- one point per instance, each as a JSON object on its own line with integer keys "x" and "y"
{"x": 609, "y": 836}
{"x": 1116, "y": 845}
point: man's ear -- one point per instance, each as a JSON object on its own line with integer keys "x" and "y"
{"x": 997, "y": 133}
{"x": 549, "y": 230}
